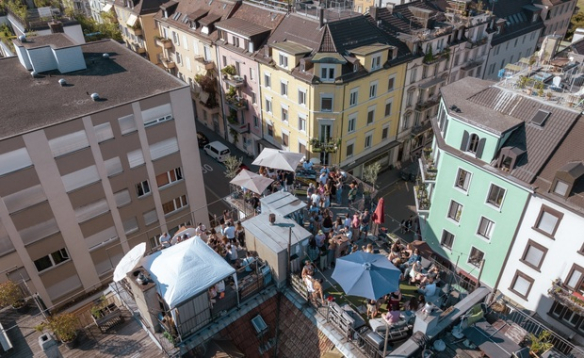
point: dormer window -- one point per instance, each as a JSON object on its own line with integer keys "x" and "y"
{"x": 235, "y": 41}
{"x": 327, "y": 72}
{"x": 561, "y": 188}
{"x": 376, "y": 62}
{"x": 508, "y": 158}
{"x": 471, "y": 143}
{"x": 166, "y": 14}
{"x": 566, "y": 178}
{"x": 283, "y": 61}
{"x": 250, "y": 47}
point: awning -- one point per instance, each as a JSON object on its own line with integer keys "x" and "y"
{"x": 267, "y": 144}
{"x": 107, "y": 8}
{"x": 132, "y": 20}
{"x": 377, "y": 153}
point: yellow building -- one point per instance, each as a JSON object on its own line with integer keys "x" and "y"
{"x": 136, "y": 21}
{"x": 331, "y": 88}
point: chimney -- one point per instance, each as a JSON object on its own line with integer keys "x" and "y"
{"x": 56, "y": 26}
{"x": 390, "y": 7}
{"x": 373, "y": 13}
{"x": 321, "y": 17}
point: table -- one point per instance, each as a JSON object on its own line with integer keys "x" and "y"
{"x": 342, "y": 243}
{"x": 490, "y": 340}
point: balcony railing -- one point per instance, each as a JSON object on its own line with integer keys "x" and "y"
{"x": 235, "y": 81}
{"x": 471, "y": 44}
{"x": 209, "y": 65}
{"x": 167, "y": 63}
{"x": 138, "y": 48}
{"x": 431, "y": 58}
{"x": 236, "y": 103}
{"x": 164, "y": 42}
{"x": 238, "y": 127}
{"x": 430, "y": 102}
{"x": 136, "y": 30}
{"x": 572, "y": 299}
{"x": 422, "y": 198}
{"x": 327, "y": 146}
{"x": 428, "y": 168}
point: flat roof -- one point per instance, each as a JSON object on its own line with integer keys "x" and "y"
{"x": 291, "y": 47}
{"x": 34, "y": 103}
{"x": 369, "y": 49}
{"x": 281, "y": 203}
{"x": 275, "y": 236}
{"x": 59, "y": 40}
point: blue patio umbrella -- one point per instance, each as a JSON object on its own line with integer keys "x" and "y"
{"x": 366, "y": 275}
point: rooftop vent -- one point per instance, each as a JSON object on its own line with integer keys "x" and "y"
{"x": 62, "y": 82}
{"x": 95, "y": 97}
{"x": 540, "y": 117}
{"x": 259, "y": 324}
{"x": 34, "y": 74}
{"x": 22, "y": 38}
{"x": 105, "y": 55}
{"x": 455, "y": 109}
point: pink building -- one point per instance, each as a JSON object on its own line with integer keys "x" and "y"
{"x": 239, "y": 38}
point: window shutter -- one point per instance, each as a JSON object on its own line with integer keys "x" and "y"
{"x": 130, "y": 225}
{"x": 534, "y": 255}
{"x": 445, "y": 127}
{"x": 25, "y": 198}
{"x": 68, "y": 143}
{"x": 103, "y": 132}
{"x": 521, "y": 285}
{"x": 98, "y": 239}
{"x": 127, "y": 124}
{"x": 91, "y": 210}
{"x": 113, "y": 166}
{"x": 122, "y": 198}
{"x": 5, "y": 243}
{"x": 157, "y": 114}
{"x": 15, "y": 160}
{"x": 39, "y": 231}
{"x": 163, "y": 148}
{"x": 480, "y": 147}
{"x": 150, "y": 217}
{"x": 80, "y": 178}
{"x": 464, "y": 143}
{"x": 135, "y": 158}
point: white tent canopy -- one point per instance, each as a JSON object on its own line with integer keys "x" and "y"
{"x": 185, "y": 270}
{"x": 278, "y": 159}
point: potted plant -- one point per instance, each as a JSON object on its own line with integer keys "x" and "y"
{"x": 11, "y": 295}
{"x": 540, "y": 344}
{"x": 65, "y": 326}
{"x": 228, "y": 70}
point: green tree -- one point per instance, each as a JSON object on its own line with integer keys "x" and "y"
{"x": 576, "y": 22}
{"x": 232, "y": 164}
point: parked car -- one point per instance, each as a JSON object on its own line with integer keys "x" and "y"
{"x": 202, "y": 139}
{"x": 217, "y": 151}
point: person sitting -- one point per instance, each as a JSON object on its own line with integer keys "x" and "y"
{"x": 393, "y": 300}
{"x": 415, "y": 272}
{"x": 249, "y": 259}
{"x": 429, "y": 290}
{"x": 368, "y": 248}
{"x": 308, "y": 269}
{"x": 411, "y": 304}
{"x": 372, "y": 309}
{"x": 391, "y": 317}
{"x": 415, "y": 256}
{"x": 433, "y": 274}
{"x": 307, "y": 165}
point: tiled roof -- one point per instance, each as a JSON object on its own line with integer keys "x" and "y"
{"x": 297, "y": 336}
{"x": 571, "y": 150}
{"x": 242, "y": 27}
{"x": 142, "y": 7}
{"x": 300, "y": 29}
{"x": 259, "y": 16}
{"x": 499, "y": 110}
{"x": 518, "y": 19}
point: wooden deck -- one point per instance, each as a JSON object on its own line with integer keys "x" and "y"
{"x": 127, "y": 339}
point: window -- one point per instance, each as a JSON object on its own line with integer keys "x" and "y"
{"x": 302, "y": 97}
{"x": 15, "y": 160}
{"x": 268, "y": 105}
{"x": 455, "y": 211}
{"x": 52, "y": 259}
{"x": 352, "y": 123}
{"x": 370, "y": 116}
{"x": 68, "y": 143}
{"x": 302, "y": 123}
{"x": 302, "y": 148}
{"x": 521, "y": 284}
{"x": 150, "y": 217}
{"x": 284, "y": 139}
{"x": 174, "y": 204}
{"x": 485, "y": 228}
{"x": 496, "y": 195}
{"x": 406, "y": 122}
{"x": 103, "y": 132}
{"x": 533, "y": 255}
{"x": 251, "y": 74}
{"x": 113, "y": 166}
{"x": 130, "y": 225}
{"x": 284, "y": 88}
{"x": 548, "y": 221}
{"x": 80, "y": 178}
{"x": 463, "y": 179}
{"x": 326, "y": 103}
{"x": 283, "y": 61}
{"x": 284, "y": 114}
{"x": 270, "y": 130}
{"x": 413, "y": 75}
{"x": 373, "y": 90}
{"x": 256, "y": 122}
{"x": 353, "y": 97}
{"x": 575, "y": 279}
{"x": 350, "y": 148}
{"x": 327, "y": 72}
{"x": 473, "y": 143}
{"x": 561, "y": 188}
{"x": 254, "y": 99}
{"x": 368, "y": 140}
{"x": 135, "y": 158}
{"x": 143, "y": 188}
{"x": 384, "y": 132}
{"x": 388, "y": 109}
{"x": 447, "y": 239}
{"x": 475, "y": 257}
{"x": 169, "y": 177}
{"x": 163, "y": 148}
{"x": 376, "y": 62}
{"x": 267, "y": 80}
{"x": 122, "y": 198}
{"x": 390, "y": 84}
{"x": 157, "y": 115}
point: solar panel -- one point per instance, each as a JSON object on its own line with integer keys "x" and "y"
{"x": 540, "y": 117}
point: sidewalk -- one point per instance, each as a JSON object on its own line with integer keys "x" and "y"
{"x": 213, "y": 136}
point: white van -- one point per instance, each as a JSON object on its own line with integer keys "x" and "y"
{"x": 217, "y": 151}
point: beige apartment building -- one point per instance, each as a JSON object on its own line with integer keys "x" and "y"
{"x": 98, "y": 153}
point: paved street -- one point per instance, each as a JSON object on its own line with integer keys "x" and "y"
{"x": 398, "y": 195}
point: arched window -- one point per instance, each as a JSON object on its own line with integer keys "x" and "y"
{"x": 473, "y": 143}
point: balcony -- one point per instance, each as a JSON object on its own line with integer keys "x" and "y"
{"x": 430, "y": 58}
{"x": 235, "y": 81}
{"x": 472, "y": 44}
{"x": 240, "y": 128}
{"x": 167, "y": 63}
{"x": 422, "y": 198}
{"x": 164, "y": 42}
{"x": 135, "y": 30}
{"x": 236, "y": 103}
{"x": 327, "y": 146}
{"x": 428, "y": 103}
{"x": 569, "y": 298}
{"x": 428, "y": 169}
{"x": 138, "y": 48}
{"x": 209, "y": 65}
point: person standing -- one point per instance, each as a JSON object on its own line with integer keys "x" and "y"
{"x": 165, "y": 240}
{"x": 230, "y": 232}
{"x": 364, "y": 223}
{"x": 352, "y": 193}
{"x": 339, "y": 187}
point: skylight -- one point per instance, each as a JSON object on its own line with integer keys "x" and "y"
{"x": 540, "y": 117}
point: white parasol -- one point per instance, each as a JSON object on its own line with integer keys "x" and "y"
{"x": 129, "y": 261}
{"x": 251, "y": 181}
{"x": 278, "y": 159}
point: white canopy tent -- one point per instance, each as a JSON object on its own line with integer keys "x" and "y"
{"x": 186, "y": 270}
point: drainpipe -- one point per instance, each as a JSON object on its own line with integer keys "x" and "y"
{"x": 220, "y": 90}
